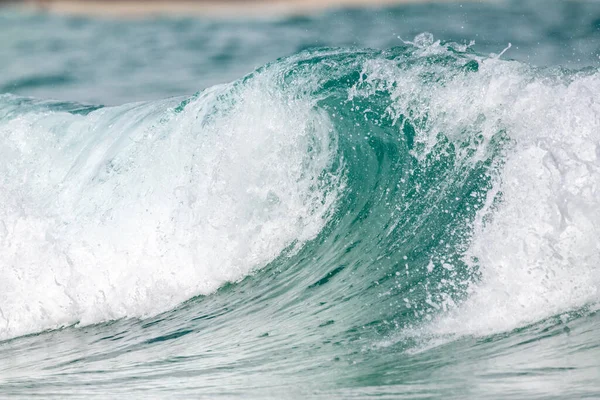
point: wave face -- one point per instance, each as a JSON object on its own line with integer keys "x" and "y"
{"x": 345, "y": 217}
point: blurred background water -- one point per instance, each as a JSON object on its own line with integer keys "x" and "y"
{"x": 112, "y": 62}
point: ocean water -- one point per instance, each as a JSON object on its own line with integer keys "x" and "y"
{"x": 393, "y": 203}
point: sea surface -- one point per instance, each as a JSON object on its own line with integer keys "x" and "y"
{"x": 390, "y": 203}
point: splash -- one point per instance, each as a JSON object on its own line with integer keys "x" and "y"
{"x": 128, "y": 211}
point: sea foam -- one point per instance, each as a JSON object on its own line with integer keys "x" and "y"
{"x": 128, "y": 211}
{"x": 536, "y": 242}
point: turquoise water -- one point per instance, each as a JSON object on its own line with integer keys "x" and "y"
{"x": 355, "y": 204}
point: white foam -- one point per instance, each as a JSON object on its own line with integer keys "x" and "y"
{"x": 131, "y": 210}
{"x": 540, "y": 254}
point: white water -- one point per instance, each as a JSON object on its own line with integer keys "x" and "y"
{"x": 131, "y": 210}
{"x": 540, "y": 253}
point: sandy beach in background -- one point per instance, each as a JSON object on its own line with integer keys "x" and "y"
{"x": 239, "y": 8}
